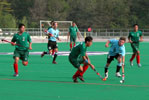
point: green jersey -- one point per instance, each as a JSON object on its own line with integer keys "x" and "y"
{"x": 135, "y": 36}
{"x": 73, "y": 30}
{"x": 79, "y": 50}
{"x": 22, "y": 40}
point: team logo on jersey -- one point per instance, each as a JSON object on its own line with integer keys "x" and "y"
{"x": 23, "y": 39}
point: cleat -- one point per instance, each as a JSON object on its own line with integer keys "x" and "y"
{"x": 139, "y": 65}
{"x": 75, "y": 80}
{"x": 131, "y": 63}
{"x": 54, "y": 62}
{"x": 118, "y": 74}
{"x": 81, "y": 78}
{"x": 16, "y": 75}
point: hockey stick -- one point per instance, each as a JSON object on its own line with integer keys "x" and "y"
{"x": 3, "y": 40}
{"x": 98, "y": 74}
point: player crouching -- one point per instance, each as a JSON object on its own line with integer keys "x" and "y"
{"x": 79, "y": 56}
{"x": 117, "y": 51}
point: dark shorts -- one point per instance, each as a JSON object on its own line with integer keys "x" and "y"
{"x": 52, "y": 45}
{"x": 76, "y": 62}
{"x": 23, "y": 55}
{"x": 73, "y": 38}
{"x": 135, "y": 47}
{"x": 111, "y": 58}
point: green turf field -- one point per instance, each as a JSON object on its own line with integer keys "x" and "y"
{"x": 41, "y": 80}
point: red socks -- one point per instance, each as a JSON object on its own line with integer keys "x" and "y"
{"x": 85, "y": 67}
{"x": 53, "y": 51}
{"x": 78, "y": 73}
{"x": 138, "y": 59}
{"x": 70, "y": 45}
{"x": 133, "y": 56}
{"x": 15, "y": 68}
{"x": 74, "y": 44}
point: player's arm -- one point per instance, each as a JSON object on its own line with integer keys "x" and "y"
{"x": 68, "y": 35}
{"x": 13, "y": 41}
{"x": 57, "y": 37}
{"x": 30, "y": 42}
{"x": 87, "y": 61}
{"x": 107, "y": 44}
{"x": 78, "y": 35}
{"x": 141, "y": 38}
{"x": 129, "y": 38}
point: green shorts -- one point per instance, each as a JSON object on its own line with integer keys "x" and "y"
{"x": 135, "y": 47}
{"x": 76, "y": 62}
{"x": 23, "y": 55}
{"x": 73, "y": 38}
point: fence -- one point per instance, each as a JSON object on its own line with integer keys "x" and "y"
{"x": 96, "y": 33}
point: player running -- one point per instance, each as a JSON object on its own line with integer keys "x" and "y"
{"x": 47, "y": 33}
{"x": 135, "y": 37}
{"x": 117, "y": 51}
{"x": 52, "y": 44}
{"x": 79, "y": 56}
{"x": 21, "y": 52}
{"x": 73, "y": 33}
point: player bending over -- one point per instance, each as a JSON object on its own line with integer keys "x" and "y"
{"x": 135, "y": 37}
{"x": 79, "y": 56}
{"x": 52, "y": 44}
{"x": 117, "y": 51}
{"x": 21, "y": 52}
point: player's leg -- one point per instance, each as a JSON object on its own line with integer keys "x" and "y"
{"x": 74, "y": 41}
{"x": 119, "y": 65}
{"x": 49, "y": 49}
{"x": 55, "y": 47}
{"x": 55, "y": 56}
{"x": 133, "y": 55}
{"x": 138, "y": 55}
{"x": 77, "y": 65}
{"x": 24, "y": 58}
{"x": 109, "y": 60}
{"x": 85, "y": 67}
{"x": 15, "y": 66}
{"x": 71, "y": 41}
{"x": 16, "y": 60}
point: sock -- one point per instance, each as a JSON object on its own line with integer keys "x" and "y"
{"x": 15, "y": 68}
{"x": 55, "y": 56}
{"x": 70, "y": 45}
{"x": 118, "y": 69}
{"x": 76, "y": 74}
{"x": 74, "y": 44}
{"x": 53, "y": 51}
{"x": 138, "y": 59}
{"x": 106, "y": 69}
{"x": 85, "y": 67}
{"x": 133, "y": 56}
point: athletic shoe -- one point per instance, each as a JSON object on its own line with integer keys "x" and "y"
{"x": 118, "y": 74}
{"x": 54, "y": 62}
{"x": 16, "y": 75}
{"x": 106, "y": 75}
{"x": 75, "y": 80}
{"x": 139, "y": 65}
{"x": 131, "y": 63}
{"x": 43, "y": 53}
{"x": 81, "y": 78}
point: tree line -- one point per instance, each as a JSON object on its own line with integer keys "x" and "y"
{"x": 94, "y": 13}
